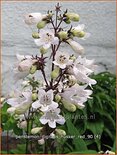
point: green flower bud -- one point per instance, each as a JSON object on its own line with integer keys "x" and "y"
{"x": 34, "y": 96}
{"x": 33, "y": 69}
{"x": 63, "y": 35}
{"x": 75, "y": 32}
{"x": 22, "y": 109}
{"x": 72, "y": 16}
{"x": 50, "y": 15}
{"x": 81, "y": 34}
{"x": 78, "y": 33}
{"x": 57, "y": 97}
{"x": 60, "y": 132}
{"x": 67, "y": 21}
{"x": 69, "y": 106}
{"x": 36, "y": 130}
{"x": 35, "y": 35}
{"x": 55, "y": 73}
{"x": 73, "y": 57}
{"x": 43, "y": 50}
{"x": 41, "y": 24}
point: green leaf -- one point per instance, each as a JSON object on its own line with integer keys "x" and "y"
{"x": 17, "y": 130}
{"x": 20, "y": 149}
{"x": 9, "y": 124}
{"x": 78, "y": 142}
{"x": 97, "y": 129}
{"x": 4, "y": 108}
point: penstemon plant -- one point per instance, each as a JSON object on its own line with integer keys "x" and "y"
{"x": 40, "y": 107}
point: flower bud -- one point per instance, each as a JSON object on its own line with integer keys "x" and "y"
{"x": 25, "y": 65}
{"x": 11, "y": 110}
{"x": 55, "y": 73}
{"x": 33, "y": 69}
{"x": 72, "y": 80}
{"x": 50, "y": 15}
{"x": 57, "y": 98}
{"x": 67, "y": 21}
{"x": 2, "y": 99}
{"x": 41, "y": 141}
{"x": 41, "y": 24}
{"x": 76, "y": 46}
{"x": 52, "y": 136}
{"x": 63, "y": 35}
{"x": 69, "y": 106}
{"x": 35, "y": 35}
{"x": 33, "y": 18}
{"x": 78, "y": 33}
{"x": 36, "y": 130}
{"x": 22, "y": 125}
{"x": 43, "y": 50}
{"x": 81, "y": 34}
{"x": 73, "y": 57}
{"x": 34, "y": 96}
{"x": 60, "y": 132}
{"x": 72, "y": 16}
{"x": 21, "y": 109}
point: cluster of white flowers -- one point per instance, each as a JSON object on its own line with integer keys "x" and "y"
{"x": 70, "y": 73}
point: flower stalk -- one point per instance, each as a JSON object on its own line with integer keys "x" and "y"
{"x": 67, "y": 88}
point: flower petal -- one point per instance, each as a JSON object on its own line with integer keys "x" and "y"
{"x": 46, "y": 46}
{"x": 43, "y": 108}
{"x": 55, "y": 41}
{"x": 50, "y": 93}
{"x": 38, "y": 42}
{"x": 54, "y": 105}
{"x": 61, "y": 120}
{"x": 13, "y": 102}
{"x": 36, "y": 104}
{"x": 52, "y": 124}
{"x": 43, "y": 120}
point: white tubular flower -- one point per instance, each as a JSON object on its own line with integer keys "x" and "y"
{"x": 21, "y": 103}
{"x": 46, "y": 39}
{"x": 76, "y": 46}
{"x": 45, "y": 100}
{"x": 80, "y": 29}
{"x": 33, "y": 18}
{"x": 61, "y": 59}
{"x": 77, "y": 95}
{"x": 89, "y": 64}
{"x": 52, "y": 117}
{"x": 81, "y": 69}
{"x": 83, "y": 78}
{"x": 22, "y": 68}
